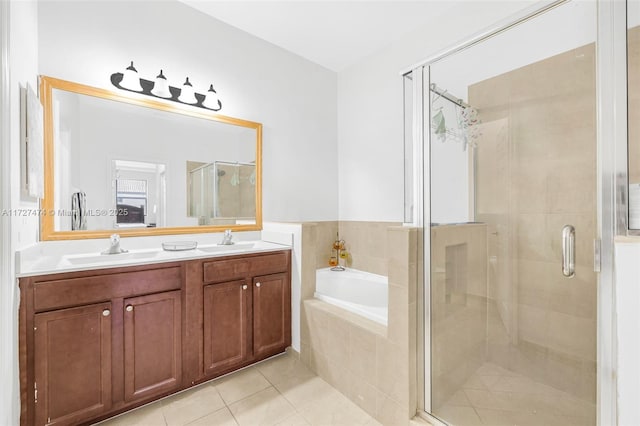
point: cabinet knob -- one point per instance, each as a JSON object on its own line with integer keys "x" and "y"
{"x": 129, "y": 308}
{"x": 257, "y": 284}
{"x": 106, "y": 312}
{"x": 244, "y": 287}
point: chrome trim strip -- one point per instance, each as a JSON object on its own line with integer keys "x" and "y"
{"x": 611, "y": 140}
{"x": 418, "y": 221}
{"x": 418, "y": 144}
{"x": 431, "y": 419}
{"x": 473, "y": 184}
{"x": 497, "y": 28}
{"x": 426, "y": 239}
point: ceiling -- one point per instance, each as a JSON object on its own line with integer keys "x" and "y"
{"x": 334, "y": 34}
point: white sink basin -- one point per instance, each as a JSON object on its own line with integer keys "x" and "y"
{"x": 84, "y": 259}
{"x": 221, "y": 249}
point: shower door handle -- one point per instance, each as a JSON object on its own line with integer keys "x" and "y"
{"x": 568, "y": 251}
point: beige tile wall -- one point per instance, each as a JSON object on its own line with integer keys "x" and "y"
{"x": 458, "y": 307}
{"x": 317, "y": 238}
{"x": 366, "y": 243}
{"x": 375, "y": 366}
{"x": 536, "y": 173}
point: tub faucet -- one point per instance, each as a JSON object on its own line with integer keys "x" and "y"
{"x": 226, "y": 240}
{"x": 115, "y": 248}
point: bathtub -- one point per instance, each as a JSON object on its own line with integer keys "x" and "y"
{"x": 360, "y": 292}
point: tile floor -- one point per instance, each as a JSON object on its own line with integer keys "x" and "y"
{"x": 278, "y": 391}
{"x": 495, "y": 396}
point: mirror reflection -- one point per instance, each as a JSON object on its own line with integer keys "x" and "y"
{"x": 139, "y": 193}
{"x": 221, "y": 193}
{"x": 123, "y": 166}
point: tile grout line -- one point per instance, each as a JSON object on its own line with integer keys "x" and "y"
{"x": 228, "y": 405}
{"x": 295, "y": 409}
{"x": 215, "y": 411}
{"x": 229, "y": 408}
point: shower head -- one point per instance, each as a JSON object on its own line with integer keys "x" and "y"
{"x": 221, "y": 173}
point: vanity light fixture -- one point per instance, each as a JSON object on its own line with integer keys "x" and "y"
{"x": 130, "y": 79}
{"x": 160, "y": 88}
{"x": 211, "y": 101}
{"x": 187, "y": 95}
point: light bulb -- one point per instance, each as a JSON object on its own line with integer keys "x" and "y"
{"x": 161, "y": 87}
{"x": 130, "y": 79}
{"x": 187, "y": 95}
{"x": 211, "y": 100}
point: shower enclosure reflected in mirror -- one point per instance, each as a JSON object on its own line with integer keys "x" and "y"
{"x": 127, "y": 156}
{"x": 221, "y": 193}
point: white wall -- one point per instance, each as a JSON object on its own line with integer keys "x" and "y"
{"x": 370, "y": 120}
{"x": 293, "y": 98}
{"x": 24, "y": 69}
{"x": 23, "y": 57}
{"x": 627, "y": 254}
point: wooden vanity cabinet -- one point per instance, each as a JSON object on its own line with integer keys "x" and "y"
{"x": 152, "y": 345}
{"x": 247, "y": 311}
{"x": 227, "y": 326}
{"x": 271, "y": 315}
{"x": 72, "y": 360}
{"x": 96, "y": 343}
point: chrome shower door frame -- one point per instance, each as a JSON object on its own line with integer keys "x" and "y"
{"x": 611, "y": 188}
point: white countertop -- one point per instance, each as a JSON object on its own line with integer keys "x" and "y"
{"x": 38, "y": 261}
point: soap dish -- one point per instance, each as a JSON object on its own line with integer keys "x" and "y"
{"x": 179, "y": 245}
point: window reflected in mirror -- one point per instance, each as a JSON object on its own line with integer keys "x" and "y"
{"x": 139, "y": 194}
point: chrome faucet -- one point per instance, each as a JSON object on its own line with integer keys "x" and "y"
{"x": 226, "y": 240}
{"x": 115, "y": 245}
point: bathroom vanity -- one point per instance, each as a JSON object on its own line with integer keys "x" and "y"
{"x": 97, "y": 342}
{"x": 101, "y": 334}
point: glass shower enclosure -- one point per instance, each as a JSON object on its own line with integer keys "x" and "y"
{"x": 508, "y": 132}
{"x": 221, "y": 192}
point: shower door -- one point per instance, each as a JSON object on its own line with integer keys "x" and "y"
{"x": 510, "y": 151}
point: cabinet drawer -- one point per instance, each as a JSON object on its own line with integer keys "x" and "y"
{"x": 225, "y": 270}
{"x": 270, "y": 264}
{"x": 84, "y": 290}
{"x": 235, "y": 269}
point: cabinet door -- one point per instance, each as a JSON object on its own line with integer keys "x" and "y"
{"x": 72, "y": 364}
{"x": 152, "y": 345}
{"x": 227, "y": 326}
{"x": 271, "y": 315}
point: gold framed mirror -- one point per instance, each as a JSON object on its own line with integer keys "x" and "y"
{"x": 128, "y": 164}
